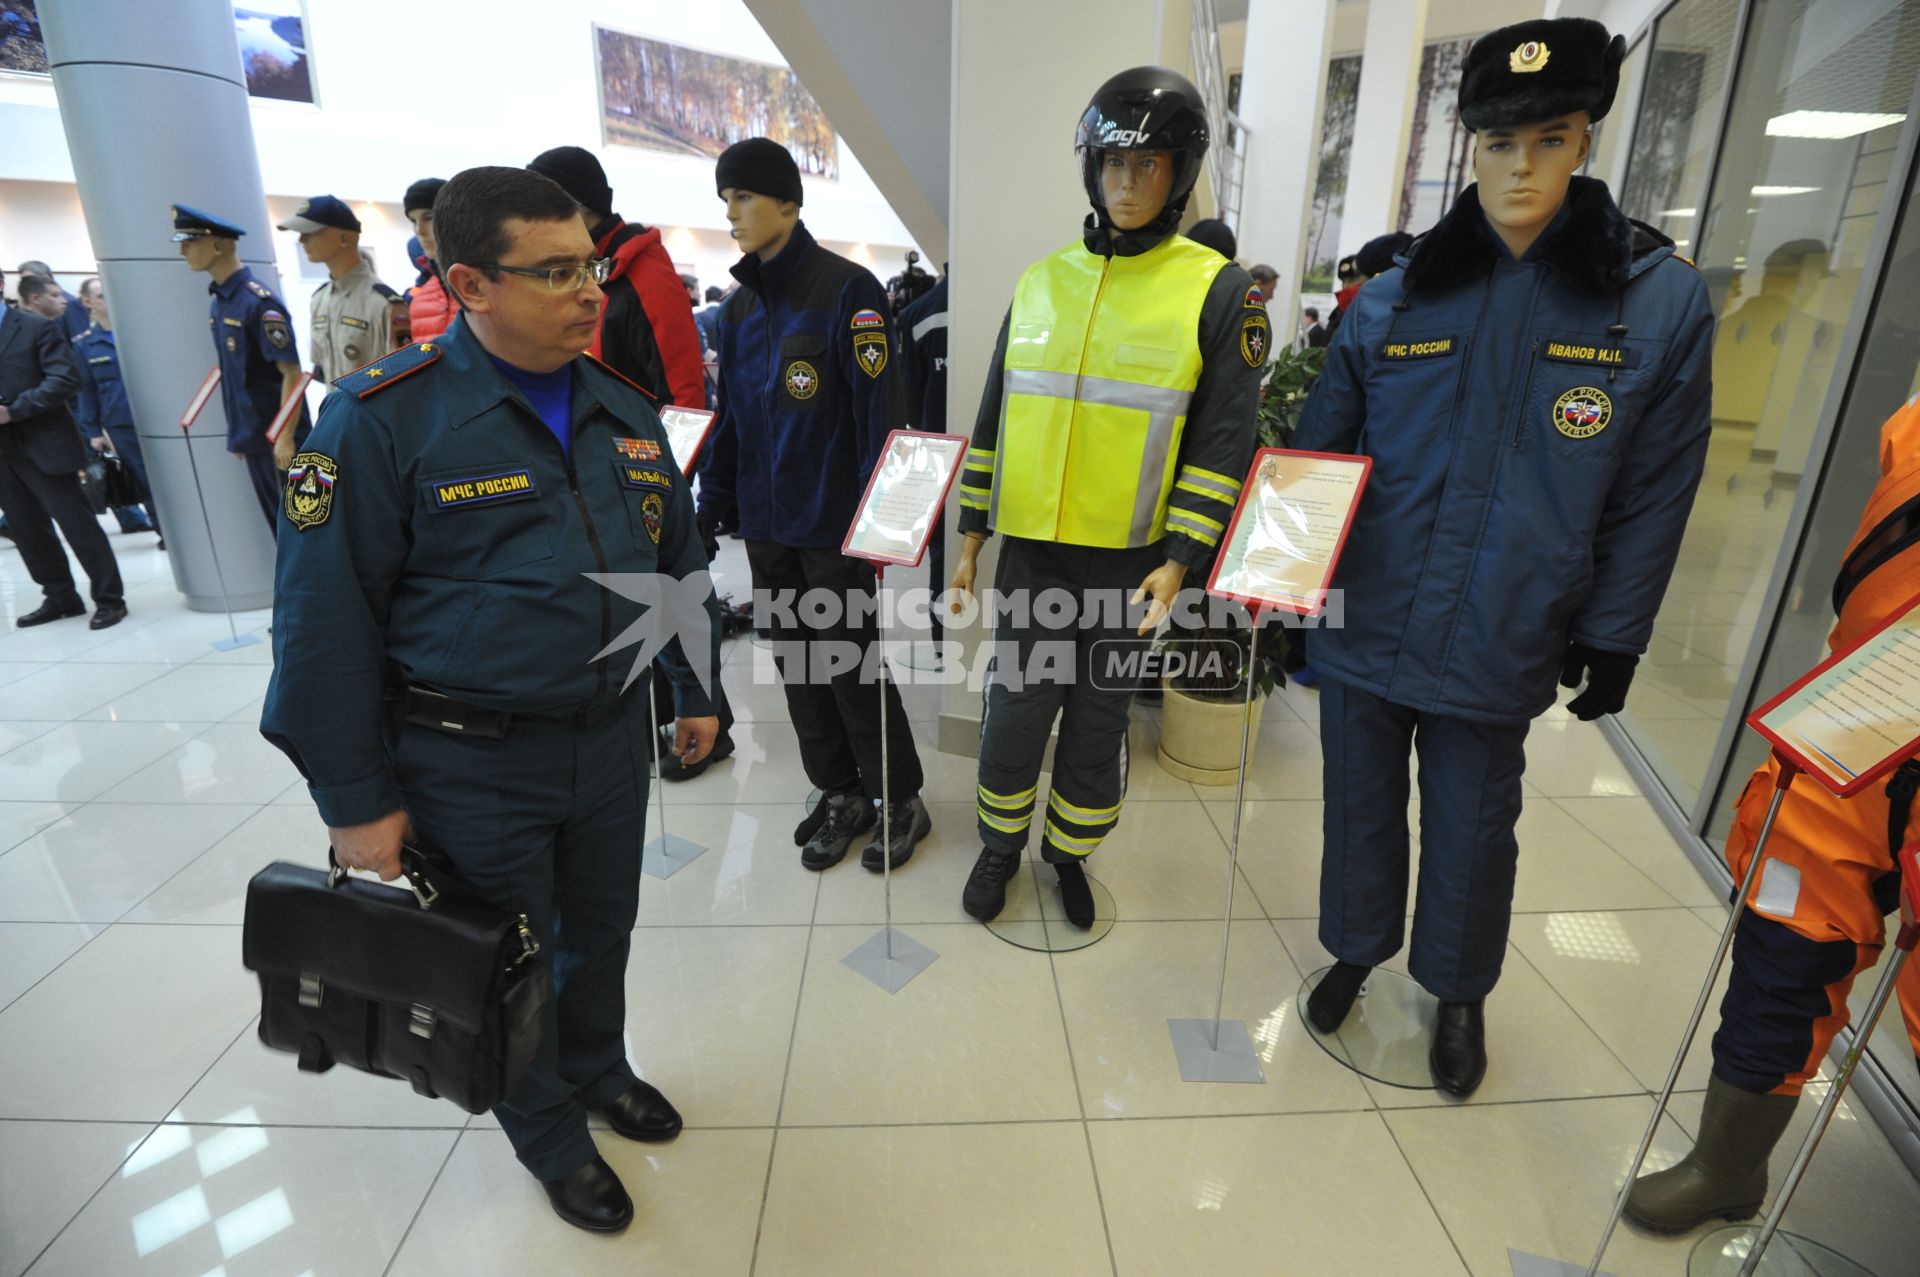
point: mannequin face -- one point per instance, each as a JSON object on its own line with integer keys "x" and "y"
{"x": 525, "y": 321}
{"x": 201, "y": 253}
{"x": 94, "y": 298}
{"x": 326, "y": 244}
{"x": 758, "y": 222}
{"x": 1135, "y": 185}
{"x": 1524, "y": 170}
{"x": 422, "y": 219}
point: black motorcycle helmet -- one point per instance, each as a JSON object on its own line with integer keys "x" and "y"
{"x": 1145, "y": 109}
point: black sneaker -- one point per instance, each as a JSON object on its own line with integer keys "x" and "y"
{"x": 848, "y": 816}
{"x": 909, "y": 822}
{"x": 986, "y": 893}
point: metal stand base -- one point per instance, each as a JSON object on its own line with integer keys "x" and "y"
{"x": 1387, "y": 1035}
{"x": 668, "y": 855}
{"x": 238, "y": 640}
{"x": 1215, "y": 1051}
{"x": 890, "y": 970}
{"x": 1722, "y": 1252}
{"x": 1033, "y": 918}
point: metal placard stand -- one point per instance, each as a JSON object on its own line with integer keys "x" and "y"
{"x": 666, "y": 855}
{"x": 234, "y": 639}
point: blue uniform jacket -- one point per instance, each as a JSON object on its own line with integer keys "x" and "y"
{"x": 442, "y": 543}
{"x": 808, "y": 392}
{"x": 103, "y": 395}
{"x": 1537, "y": 430}
{"x": 250, "y": 336}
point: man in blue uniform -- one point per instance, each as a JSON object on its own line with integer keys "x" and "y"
{"x": 436, "y": 634}
{"x": 807, "y": 395}
{"x": 1532, "y": 382}
{"x": 106, "y": 417}
{"x": 259, "y": 366}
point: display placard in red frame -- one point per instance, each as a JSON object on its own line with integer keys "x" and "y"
{"x": 288, "y": 410}
{"x": 901, "y": 507}
{"x": 686, "y": 430}
{"x": 1296, "y": 508}
{"x": 1855, "y": 716}
{"x": 200, "y": 398}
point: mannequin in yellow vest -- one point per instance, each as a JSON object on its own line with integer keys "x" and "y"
{"x": 1116, "y": 426}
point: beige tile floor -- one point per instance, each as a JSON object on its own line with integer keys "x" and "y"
{"x": 1007, "y": 1113}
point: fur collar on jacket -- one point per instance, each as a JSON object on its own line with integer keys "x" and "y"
{"x": 1592, "y": 248}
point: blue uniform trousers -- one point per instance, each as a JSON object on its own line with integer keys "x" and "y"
{"x": 1469, "y": 802}
{"x": 268, "y": 485}
{"x": 549, "y": 822}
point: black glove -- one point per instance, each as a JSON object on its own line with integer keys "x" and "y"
{"x": 1608, "y": 676}
{"x": 705, "y": 521}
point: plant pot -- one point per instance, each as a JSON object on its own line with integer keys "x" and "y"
{"x": 1200, "y": 739}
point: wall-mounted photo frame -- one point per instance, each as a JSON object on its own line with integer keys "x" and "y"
{"x": 23, "y": 51}
{"x": 660, "y": 96}
{"x": 274, "y": 50}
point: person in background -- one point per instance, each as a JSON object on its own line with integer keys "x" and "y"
{"x": 1267, "y": 280}
{"x": 106, "y": 417}
{"x": 646, "y": 331}
{"x": 73, "y": 316}
{"x": 352, "y": 313}
{"x": 1215, "y": 234}
{"x": 40, "y": 459}
{"x": 692, "y": 286}
{"x": 1350, "y": 281}
{"x": 1316, "y": 331}
{"x": 429, "y": 309}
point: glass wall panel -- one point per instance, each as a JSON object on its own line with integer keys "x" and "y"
{"x": 1815, "y": 116}
{"x": 1608, "y": 159}
{"x": 1679, "y": 116}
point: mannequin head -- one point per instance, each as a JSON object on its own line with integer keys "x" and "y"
{"x": 419, "y": 209}
{"x": 214, "y": 255}
{"x": 1524, "y": 171}
{"x": 1135, "y": 185}
{"x": 489, "y": 218}
{"x": 94, "y": 297}
{"x": 337, "y": 250}
{"x": 422, "y": 219}
{"x": 759, "y": 224}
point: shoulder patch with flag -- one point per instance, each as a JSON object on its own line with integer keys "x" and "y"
{"x": 863, "y": 319}
{"x": 870, "y": 342}
{"x": 1254, "y": 300}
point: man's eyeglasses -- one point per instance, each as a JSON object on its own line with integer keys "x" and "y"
{"x": 562, "y": 278}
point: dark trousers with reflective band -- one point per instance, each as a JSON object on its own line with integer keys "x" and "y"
{"x": 1469, "y": 803}
{"x": 1077, "y": 674}
{"x": 836, "y": 719}
{"x": 33, "y": 502}
{"x": 550, "y": 823}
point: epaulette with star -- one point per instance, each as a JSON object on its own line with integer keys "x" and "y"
{"x": 259, "y": 289}
{"x": 388, "y": 369}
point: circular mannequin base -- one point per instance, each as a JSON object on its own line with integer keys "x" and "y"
{"x": 813, "y": 800}
{"x": 1386, "y": 1035}
{"x": 1032, "y": 918}
{"x": 1721, "y": 1252}
{"x": 923, "y": 656}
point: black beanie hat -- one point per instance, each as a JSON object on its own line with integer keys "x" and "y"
{"x": 1376, "y": 255}
{"x": 1533, "y": 71}
{"x": 420, "y": 194}
{"x": 760, "y": 165}
{"x": 578, "y": 172}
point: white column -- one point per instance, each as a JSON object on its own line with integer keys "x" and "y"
{"x": 1283, "y": 90}
{"x": 1389, "y": 75}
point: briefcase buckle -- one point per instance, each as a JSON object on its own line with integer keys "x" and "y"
{"x": 312, "y": 990}
{"x": 422, "y": 1021}
{"x": 528, "y": 945}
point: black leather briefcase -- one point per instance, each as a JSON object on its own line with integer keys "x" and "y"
{"x": 423, "y": 981}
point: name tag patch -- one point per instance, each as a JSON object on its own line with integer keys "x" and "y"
{"x": 351, "y": 322}
{"x": 1431, "y": 348}
{"x": 643, "y": 477}
{"x": 480, "y": 489}
{"x": 1577, "y": 352}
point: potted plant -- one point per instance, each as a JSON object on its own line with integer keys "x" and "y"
{"x": 1202, "y": 707}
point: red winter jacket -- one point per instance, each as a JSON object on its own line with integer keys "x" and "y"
{"x": 430, "y": 310}
{"x": 647, "y": 333}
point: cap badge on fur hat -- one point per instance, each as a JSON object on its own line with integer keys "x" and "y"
{"x": 1531, "y": 56}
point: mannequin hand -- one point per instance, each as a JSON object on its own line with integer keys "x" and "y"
{"x": 1608, "y": 676}
{"x": 374, "y": 846}
{"x": 694, "y": 737}
{"x": 101, "y": 444}
{"x": 963, "y": 574}
{"x": 1162, "y": 584}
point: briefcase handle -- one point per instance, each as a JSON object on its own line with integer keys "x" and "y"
{"x": 413, "y": 869}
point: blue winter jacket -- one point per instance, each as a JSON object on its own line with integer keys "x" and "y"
{"x": 808, "y": 391}
{"x": 1537, "y": 429}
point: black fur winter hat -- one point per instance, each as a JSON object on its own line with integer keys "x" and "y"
{"x": 1533, "y": 71}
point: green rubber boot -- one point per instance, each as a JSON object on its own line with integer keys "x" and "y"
{"x": 1725, "y": 1176}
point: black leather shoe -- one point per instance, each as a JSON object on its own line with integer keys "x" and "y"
{"x": 52, "y": 612}
{"x": 107, "y": 614}
{"x": 592, "y": 1198}
{"x": 641, "y": 1113}
{"x": 1459, "y": 1055}
{"x": 1332, "y": 998}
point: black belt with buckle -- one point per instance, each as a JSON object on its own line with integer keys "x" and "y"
{"x": 457, "y": 718}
